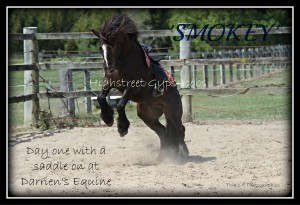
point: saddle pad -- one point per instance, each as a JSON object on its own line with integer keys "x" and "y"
{"x": 147, "y": 57}
{"x": 170, "y": 78}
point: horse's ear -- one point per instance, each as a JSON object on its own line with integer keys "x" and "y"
{"x": 96, "y": 33}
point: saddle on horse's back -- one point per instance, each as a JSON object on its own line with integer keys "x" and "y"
{"x": 148, "y": 49}
{"x": 160, "y": 75}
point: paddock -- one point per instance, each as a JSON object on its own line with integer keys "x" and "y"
{"x": 227, "y": 158}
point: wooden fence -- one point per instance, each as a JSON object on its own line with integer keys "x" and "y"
{"x": 260, "y": 61}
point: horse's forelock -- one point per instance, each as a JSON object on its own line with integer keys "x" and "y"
{"x": 118, "y": 24}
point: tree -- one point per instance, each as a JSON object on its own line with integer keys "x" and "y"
{"x": 158, "y": 20}
{"x": 201, "y": 17}
{"x": 83, "y": 20}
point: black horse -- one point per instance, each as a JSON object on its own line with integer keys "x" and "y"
{"x": 130, "y": 70}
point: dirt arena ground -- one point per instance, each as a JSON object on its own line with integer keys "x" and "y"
{"x": 227, "y": 158}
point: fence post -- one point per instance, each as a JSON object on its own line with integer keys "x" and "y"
{"x": 205, "y": 71}
{"x": 277, "y": 65}
{"x": 261, "y": 54}
{"x": 279, "y": 55}
{"x": 284, "y": 48}
{"x": 214, "y": 54}
{"x": 31, "y": 78}
{"x": 222, "y": 68}
{"x": 244, "y": 54}
{"x": 87, "y": 76}
{"x": 64, "y": 88}
{"x": 41, "y": 55}
{"x": 71, "y": 103}
{"x": 251, "y": 65}
{"x": 257, "y": 65}
{"x": 238, "y": 66}
{"x": 185, "y": 79}
{"x": 172, "y": 69}
{"x": 230, "y": 66}
{"x": 281, "y": 49}
{"x": 289, "y": 56}
{"x": 88, "y": 102}
{"x": 273, "y": 54}
{"x": 268, "y": 55}
{"x": 195, "y": 75}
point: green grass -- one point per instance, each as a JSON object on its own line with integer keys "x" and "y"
{"x": 15, "y": 82}
{"x": 15, "y": 114}
{"x": 261, "y": 106}
{"x": 258, "y": 106}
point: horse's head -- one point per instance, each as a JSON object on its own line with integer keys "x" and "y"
{"x": 115, "y": 39}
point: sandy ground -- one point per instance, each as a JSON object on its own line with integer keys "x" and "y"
{"x": 227, "y": 158}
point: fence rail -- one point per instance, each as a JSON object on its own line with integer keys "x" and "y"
{"x": 198, "y": 91}
{"x": 166, "y": 63}
{"x": 259, "y": 60}
{"x": 142, "y": 33}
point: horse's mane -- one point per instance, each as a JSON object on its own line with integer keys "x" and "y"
{"x": 117, "y": 24}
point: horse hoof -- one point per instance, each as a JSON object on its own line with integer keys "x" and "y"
{"x": 110, "y": 124}
{"x": 183, "y": 151}
{"x": 122, "y": 134}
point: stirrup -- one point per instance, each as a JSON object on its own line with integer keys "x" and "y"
{"x": 156, "y": 92}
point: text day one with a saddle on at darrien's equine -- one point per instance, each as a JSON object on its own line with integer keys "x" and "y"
{"x": 126, "y": 60}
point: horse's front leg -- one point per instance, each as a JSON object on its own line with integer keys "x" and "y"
{"x": 107, "y": 113}
{"x": 123, "y": 122}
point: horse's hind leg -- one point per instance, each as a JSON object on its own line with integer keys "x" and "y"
{"x": 150, "y": 116}
{"x": 107, "y": 113}
{"x": 183, "y": 149}
{"x": 175, "y": 130}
